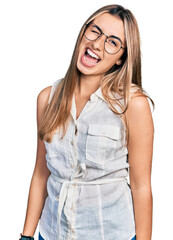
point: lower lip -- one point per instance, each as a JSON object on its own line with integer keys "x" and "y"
{"x": 85, "y": 62}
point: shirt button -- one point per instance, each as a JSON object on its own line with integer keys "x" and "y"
{"x": 72, "y": 165}
{"x": 72, "y": 143}
{"x": 57, "y": 198}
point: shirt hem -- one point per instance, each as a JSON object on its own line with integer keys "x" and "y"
{"x": 132, "y": 236}
{"x": 42, "y": 232}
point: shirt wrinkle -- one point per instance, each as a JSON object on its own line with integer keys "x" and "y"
{"x": 88, "y": 191}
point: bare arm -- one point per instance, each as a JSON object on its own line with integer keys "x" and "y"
{"x": 140, "y": 148}
{"x": 38, "y": 190}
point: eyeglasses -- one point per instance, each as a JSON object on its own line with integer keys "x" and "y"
{"x": 112, "y": 43}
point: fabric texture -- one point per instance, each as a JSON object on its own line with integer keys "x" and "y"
{"x": 40, "y": 237}
{"x": 89, "y": 196}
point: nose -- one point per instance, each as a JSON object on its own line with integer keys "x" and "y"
{"x": 99, "y": 43}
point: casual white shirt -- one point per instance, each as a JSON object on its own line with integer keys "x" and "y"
{"x": 89, "y": 197}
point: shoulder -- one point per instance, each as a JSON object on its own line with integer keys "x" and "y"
{"x": 43, "y": 96}
{"x": 138, "y": 102}
{"x": 139, "y": 116}
{"x": 138, "y": 107}
{"x": 46, "y": 94}
{"x": 42, "y": 103}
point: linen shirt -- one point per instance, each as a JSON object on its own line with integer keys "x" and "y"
{"x": 89, "y": 197}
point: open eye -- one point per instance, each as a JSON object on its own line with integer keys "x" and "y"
{"x": 112, "y": 42}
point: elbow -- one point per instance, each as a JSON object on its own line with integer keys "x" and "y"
{"x": 144, "y": 186}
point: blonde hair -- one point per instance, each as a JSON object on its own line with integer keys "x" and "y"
{"x": 121, "y": 80}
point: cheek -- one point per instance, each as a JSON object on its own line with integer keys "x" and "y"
{"x": 83, "y": 44}
{"x": 109, "y": 62}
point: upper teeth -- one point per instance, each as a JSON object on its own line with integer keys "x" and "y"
{"x": 92, "y": 54}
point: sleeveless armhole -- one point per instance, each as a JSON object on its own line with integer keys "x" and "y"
{"x": 53, "y": 88}
{"x": 133, "y": 89}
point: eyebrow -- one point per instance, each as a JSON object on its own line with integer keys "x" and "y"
{"x": 97, "y": 27}
{"x": 106, "y": 35}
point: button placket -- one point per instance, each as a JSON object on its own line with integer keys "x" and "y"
{"x": 89, "y": 105}
{"x": 75, "y": 147}
{"x": 71, "y": 153}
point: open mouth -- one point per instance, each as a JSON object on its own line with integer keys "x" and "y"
{"x": 89, "y": 58}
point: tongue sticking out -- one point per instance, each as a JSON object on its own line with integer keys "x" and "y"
{"x": 90, "y": 59}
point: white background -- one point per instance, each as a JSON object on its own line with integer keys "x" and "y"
{"x": 36, "y": 44}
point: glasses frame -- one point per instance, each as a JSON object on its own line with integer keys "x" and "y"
{"x": 102, "y": 33}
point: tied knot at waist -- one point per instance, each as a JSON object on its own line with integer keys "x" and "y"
{"x": 80, "y": 172}
{"x": 61, "y": 198}
{"x": 76, "y": 181}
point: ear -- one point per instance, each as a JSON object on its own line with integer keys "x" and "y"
{"x": 118, "y": 62}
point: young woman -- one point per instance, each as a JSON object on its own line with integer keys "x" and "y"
{"x": 95, "y": 125}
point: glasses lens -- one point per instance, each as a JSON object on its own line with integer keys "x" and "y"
{"x": 92, "y": 33}
{"x": 112, "y": 45}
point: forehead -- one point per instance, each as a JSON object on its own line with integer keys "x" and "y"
{"x": 110, "y": 25}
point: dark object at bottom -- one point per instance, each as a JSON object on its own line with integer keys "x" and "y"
{"x": 40, "y": 237}
{"x": 23, "y": 237}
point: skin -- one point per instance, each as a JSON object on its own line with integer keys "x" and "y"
{"x": 110, "y": 25}
{"x": 140, "y": 149}
{"x": 90, "y": 77}
{"x": 38, "y": 190}
{"x": 140, "y": 126}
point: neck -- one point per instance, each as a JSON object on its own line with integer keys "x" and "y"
{"x": 87, "y": 85}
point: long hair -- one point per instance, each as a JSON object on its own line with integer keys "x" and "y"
{"x": 120, "y": 79}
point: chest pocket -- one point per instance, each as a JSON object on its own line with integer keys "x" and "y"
{"x": 102, "y": 143}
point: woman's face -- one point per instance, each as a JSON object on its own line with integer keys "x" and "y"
{"x": 90, "y": 65}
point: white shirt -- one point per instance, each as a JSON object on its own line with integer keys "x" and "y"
{"x": 88, "y": 193}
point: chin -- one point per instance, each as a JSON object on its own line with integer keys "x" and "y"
{"x": 82, "y": 69}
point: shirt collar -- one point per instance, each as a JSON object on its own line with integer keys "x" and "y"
{"x": 97, "y": 94}
{"x": 93, "y": 98}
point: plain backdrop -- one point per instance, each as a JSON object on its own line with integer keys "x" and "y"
{"x": 36, "y": 44}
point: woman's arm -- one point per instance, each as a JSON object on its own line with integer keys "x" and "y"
{"x": 38, "y": 190}
{"x": 140, "y": 148}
